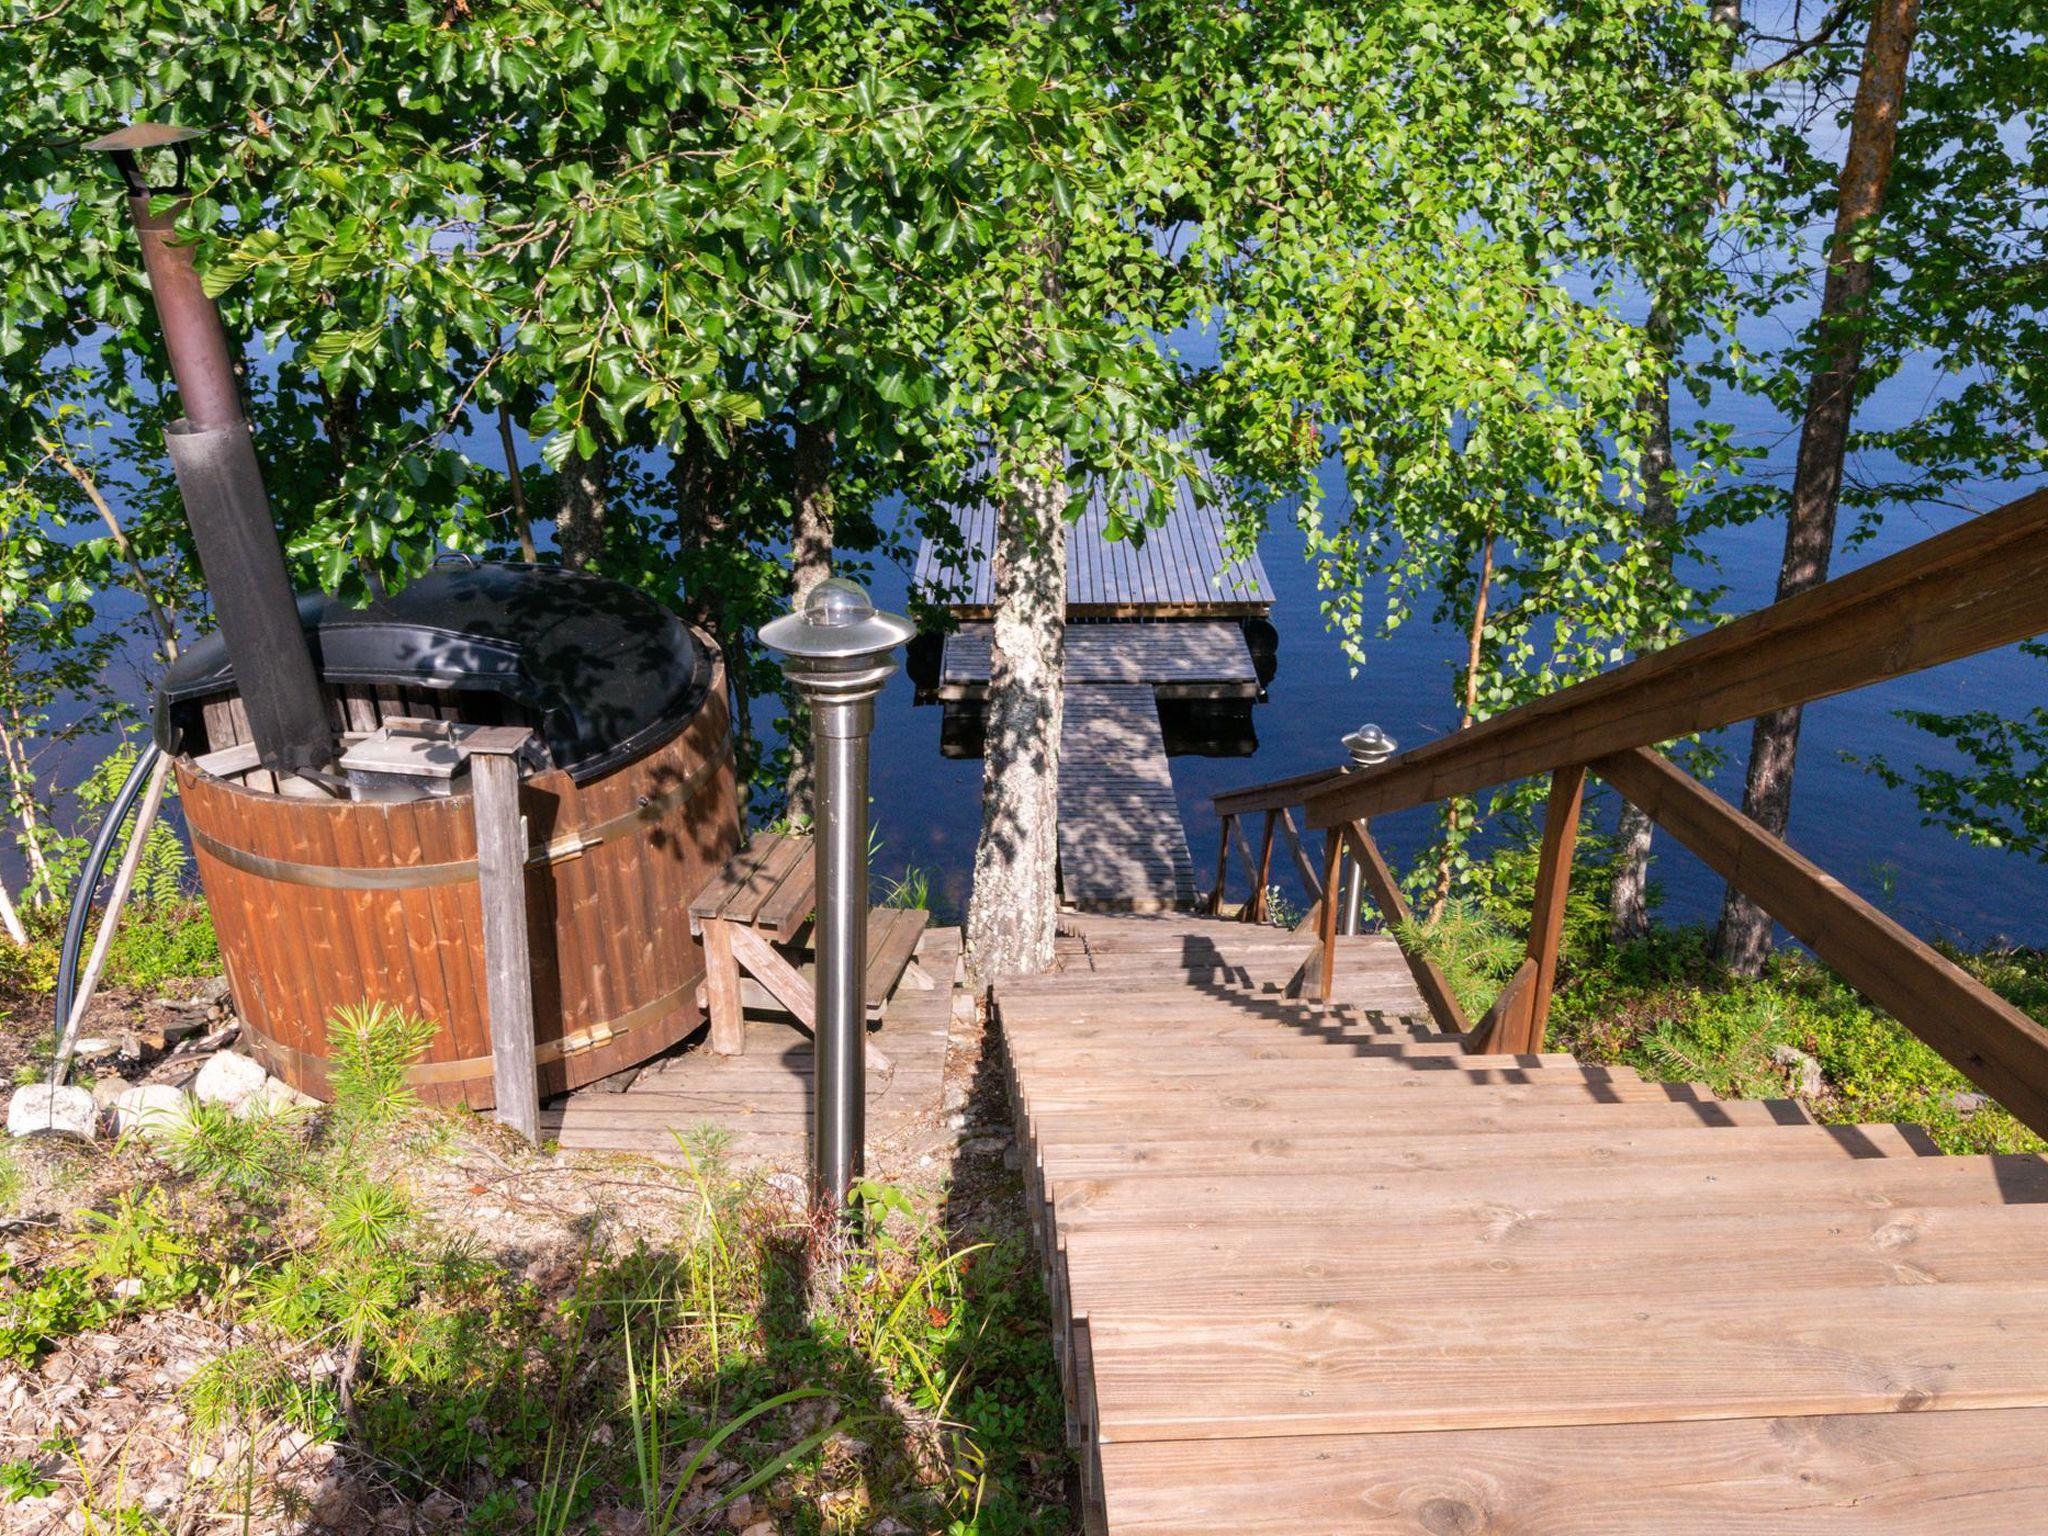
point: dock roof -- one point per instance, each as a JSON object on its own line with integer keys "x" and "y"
{"x": 1181, "y": 569}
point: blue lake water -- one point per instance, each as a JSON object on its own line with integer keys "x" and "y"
{"x": 1869, "y": 836}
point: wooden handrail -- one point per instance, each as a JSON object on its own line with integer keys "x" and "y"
{"x": 1278, "y": 795}
{"x": 1983, "y": 1036}
{"x": 1974, "y": 588}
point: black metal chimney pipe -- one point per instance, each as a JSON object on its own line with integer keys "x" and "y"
{"x": 221, "y": 482}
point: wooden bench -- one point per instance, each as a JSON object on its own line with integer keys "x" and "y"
{"x": 759, "y": 905}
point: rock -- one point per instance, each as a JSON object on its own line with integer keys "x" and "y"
{"x": 229, "y": 1079}
{"x": 955, "y": 1097}
{"x": 1969, "y": 1103}
{"x": 760, "y": 1528}
{"x": 739, "y": 1514}
{"x": 107, "y": 1089}
{"x": 152, "y": 1109}
{"x": 1801, "y": 1070}
{"x": 95, "y": 1045}
{"x": 38, "y": 1109}
{"x": 215, "y": 991}
{"x": 280, "y": 1097}
{"x": 1013, "y": 1157}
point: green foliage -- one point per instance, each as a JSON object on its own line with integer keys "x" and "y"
{"x": 1997, "y": 795}
{"x": 1664, "y": 1007}
{"x": 1476, "y": 952}
{"x": 252, "y": 1382}
{"x": 140, "y": 1242}
{"x": 911, "y": 890}
{"x": 161, "y": 943}
{"x": 23, "y": 1479}
{"x": 253, "y": 1155}
{"x": 35, "y": 1315}
{"x": 371, "y": 1050}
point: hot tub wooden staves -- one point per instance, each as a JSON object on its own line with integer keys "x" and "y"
{"x": 323, "y": 903}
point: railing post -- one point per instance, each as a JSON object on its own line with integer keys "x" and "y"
{"x": 1333, "y": 869}
{"x": 1222, "y": 865}
{"x": 1546, "y": 916}
{"x": 1265, "y": 867}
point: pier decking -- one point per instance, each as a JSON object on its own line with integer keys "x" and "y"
{"x": 1122, "y": 846}
{"x": 1161, "y": 619}
{"x": 756, "y": 1106}
{"x": 1191, "y": 660}
{"x": 1317, "y": 1269}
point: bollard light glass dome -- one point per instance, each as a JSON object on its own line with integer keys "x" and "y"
{"x": 1369, "y": 746}
{"x": 836, "y": 621}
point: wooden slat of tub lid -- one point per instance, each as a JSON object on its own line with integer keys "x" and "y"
{"x": 785, "y": 910}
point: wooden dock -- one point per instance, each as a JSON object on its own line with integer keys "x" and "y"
{"x": 1317, "y": 1269}
{"x": 1122, "y": 845}
{"x": 1192, "y": 660}
{"x": 756, "y": 1106}
{"x": 1181, "y": 570}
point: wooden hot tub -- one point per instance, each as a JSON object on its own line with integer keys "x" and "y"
{"x": 321, "y": 901}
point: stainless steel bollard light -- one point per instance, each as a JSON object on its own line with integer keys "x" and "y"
{"x": 1367, "y": 747}
{"x": 837, "y": 650}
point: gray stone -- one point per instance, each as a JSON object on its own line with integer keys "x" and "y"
{"x": 95, "y": 1045}
{"x": 229, "y": 1079}
{"x": 153, "y": 1109}
{"x": 107, "y": 1089}
{"x": 1801, "y": 1070}
{"x": 1969, "y": 1103}
{"x": 38, "y": 1109}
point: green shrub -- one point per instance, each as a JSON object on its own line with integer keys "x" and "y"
{"x": 163, "y": 942}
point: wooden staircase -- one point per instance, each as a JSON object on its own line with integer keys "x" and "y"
{"x": 1319, "y": 1268}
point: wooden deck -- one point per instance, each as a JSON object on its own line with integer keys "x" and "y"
{"x": 1122, "y": 845}
{"x": 1317, "y": 1270}
{"x": 1191, "y": 660}
{"x": 757, "y": 1105}
{"x": 1181, "y": 570}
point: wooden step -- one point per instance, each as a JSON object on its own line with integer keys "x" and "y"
{"x": 1510, "y": 1193}
{"x": 1276, "y": 1267}
{"x": 1976, "y": 1473}
{"x": 1671, "y": 1355}
{"x": 1311, "y": 1149}
{"x": 1102, "y": 1128}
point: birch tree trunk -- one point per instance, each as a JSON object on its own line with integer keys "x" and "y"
{"x": 11, "y": 919}
{"x": 1628, "y": 909}
{"x": 1744, "y": 941}
{"x": 580, "y": 511}
{"x": 1629, "y": 902}
{"x": 1475, "y": 649}
{"x": 810, "y": 562}
{"x": 522, "y": 521}
{"x": 1014, "y": 910}
{"x": 22, "y": 784}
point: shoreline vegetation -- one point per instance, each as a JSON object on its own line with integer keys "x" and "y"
{"x": 375, "y": 1316}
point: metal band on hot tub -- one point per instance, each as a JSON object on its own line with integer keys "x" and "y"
{"x": 406, "y": 877}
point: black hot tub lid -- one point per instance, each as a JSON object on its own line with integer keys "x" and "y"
{"x": 609, "y": 673}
